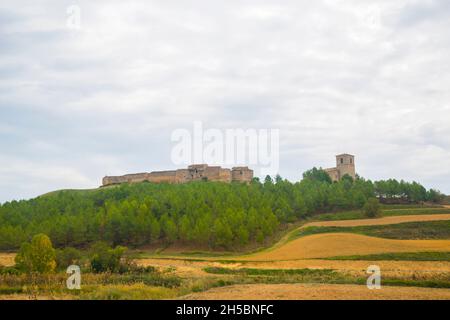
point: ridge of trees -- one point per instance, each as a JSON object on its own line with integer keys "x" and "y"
{"x": 216, "y": 214}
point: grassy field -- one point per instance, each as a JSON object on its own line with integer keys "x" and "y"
{"x": 409, "y": 230}
{"x": 323, "y": 276}
{"x": 324, "y": 261}
{"x": 399, "y": 256}
{"x": 325, "y": 245}
{"x": 314, "y": 291}
{"x": 395, "y": 211}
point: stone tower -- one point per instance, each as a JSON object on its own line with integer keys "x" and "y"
{"x": 345, "y": 164}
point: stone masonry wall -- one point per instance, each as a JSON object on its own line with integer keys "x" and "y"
{"x": 200, "y": 172}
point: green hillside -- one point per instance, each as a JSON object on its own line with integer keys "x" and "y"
{"x": 206, "y": 214}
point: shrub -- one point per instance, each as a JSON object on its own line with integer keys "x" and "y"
{"x": 66, "y": 257}
{"x": 372, "y": 208}
{"x": 106, "y": 259}
{"x": 9, "y": 271}
{"x": 37, "y": 256}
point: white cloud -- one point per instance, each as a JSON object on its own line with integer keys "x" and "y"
{"x": 334, "y": 76}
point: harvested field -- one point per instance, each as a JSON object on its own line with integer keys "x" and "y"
{"x": 401, "y": 269}
{"x": 7, "y": 259}
{"x": 342, "y": 244}
{"x": 317, "y": 292}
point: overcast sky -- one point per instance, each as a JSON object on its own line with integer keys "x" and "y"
{"x": 333, "y": 76}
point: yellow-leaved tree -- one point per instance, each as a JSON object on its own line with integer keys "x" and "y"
{"x": 37, "y": 256}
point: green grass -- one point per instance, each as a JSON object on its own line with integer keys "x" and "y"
{"x": 10, "y": 290}
{"x": 127, "y": 292}
{"x": 345, "y": 215}
{"x": 416, "y": 283}
{"x": 417, "y": 211}
{"x": 409, "y": 206}
{"x": 401, "y": 256}
{"x": 359, "y": 214}
{"x": 268, "y": 272}
{"x": 408, "y": 230}
{"x": 271, "y": 276}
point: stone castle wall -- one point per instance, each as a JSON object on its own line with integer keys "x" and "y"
{"x": 333, "y": 173}
{"x": 241, "y": 174}
{"x": 199, "y": 172}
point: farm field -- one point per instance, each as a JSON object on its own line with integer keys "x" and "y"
{"x": 329, "y": 265}
{"x": 380, "y": 221}
{"x": 317, "y": 292}
{"x": 318, "y": 252}
{"x": 333, "y": 244}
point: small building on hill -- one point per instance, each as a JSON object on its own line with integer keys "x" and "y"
{"x": 345, "y": 164}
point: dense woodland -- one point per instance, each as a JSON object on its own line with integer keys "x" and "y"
{"x": 215, "y": 214}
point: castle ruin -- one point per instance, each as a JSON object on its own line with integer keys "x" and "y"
{"x": 196, "y": 172}
{"x": 345, "y": 164}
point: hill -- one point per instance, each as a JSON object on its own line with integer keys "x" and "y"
{"x": 212, "y": 215}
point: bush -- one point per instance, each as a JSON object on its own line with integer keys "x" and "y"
{"x": 37, "y": 256}
{"x": 106, "y": 259}
{"x": 66, "y": 257}
{"x": 372, "y": 208}
{"x": 9, "y": 271}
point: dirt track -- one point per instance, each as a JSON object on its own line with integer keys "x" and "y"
{"x": 317, "y": 292}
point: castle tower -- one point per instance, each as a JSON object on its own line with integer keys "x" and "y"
{"x": 241, "y": 174}
{"x": 345, "y": 164}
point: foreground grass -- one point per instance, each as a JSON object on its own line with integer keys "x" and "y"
{"x": 323, "y": 276}
{"x": 401, "y": 256}
{"x": 408, "y": 230}
{"x": 270, "y": 272}
{"x": 137, "y": 291}
{"x": 167, "y": 286}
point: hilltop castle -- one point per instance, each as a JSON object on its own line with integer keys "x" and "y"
{"x": 345, "y": 164}
{"x": 196, "y": 172}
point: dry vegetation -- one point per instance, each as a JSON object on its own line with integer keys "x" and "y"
{"x": 7, "y": 259}
{"x": 318, "y": 292}
{"x": 380, "y": 221}
{"x": 342, "y": 244}
{"x": 279, "y": 270}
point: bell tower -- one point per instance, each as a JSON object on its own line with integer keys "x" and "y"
{"x": 345, "y": 164}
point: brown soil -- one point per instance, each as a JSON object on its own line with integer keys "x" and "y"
{"x": 317, "y": 292}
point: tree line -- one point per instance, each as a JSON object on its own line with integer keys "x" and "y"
{"x": 219, "y": 215}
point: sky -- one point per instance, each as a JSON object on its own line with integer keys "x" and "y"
{"x": 102, "y": 94}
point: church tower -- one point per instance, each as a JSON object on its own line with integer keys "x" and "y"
{"x": 345, "y": 164}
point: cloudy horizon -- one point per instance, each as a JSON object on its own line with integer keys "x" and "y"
{"x": 77, "y": 104}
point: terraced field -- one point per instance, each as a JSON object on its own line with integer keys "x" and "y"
{"x": 310, "y": 253}
{"x": 342, "y": 244}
